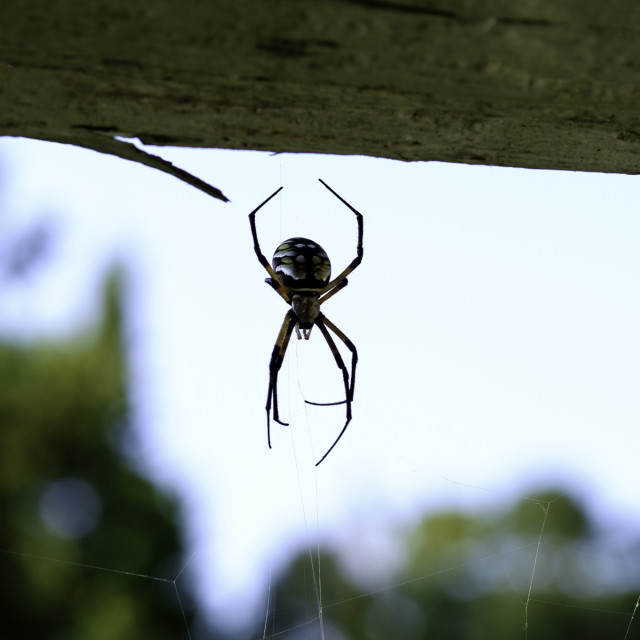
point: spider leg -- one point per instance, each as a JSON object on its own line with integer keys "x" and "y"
{"x": 274, "y": 281}
{"x": 354, "y": 362}
{"x": 321, "y": 321}
{"x": 340, "y": 285}
{"x": 277, "y": 356}
{"x": 359, "y": 250}
{"x": 351, "y": 347}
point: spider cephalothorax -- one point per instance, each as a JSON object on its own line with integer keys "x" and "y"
{"x": 301, "y": 274}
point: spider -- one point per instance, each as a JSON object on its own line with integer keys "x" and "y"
{"x": 301, "y": 275}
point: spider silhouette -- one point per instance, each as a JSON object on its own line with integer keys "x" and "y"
{"x": 301, "y": 275}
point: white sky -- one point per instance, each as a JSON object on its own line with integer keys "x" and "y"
{"x": 495, "y": 313}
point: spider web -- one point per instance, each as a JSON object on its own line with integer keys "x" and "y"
{"x": 521, "y": 566}
{"x": 172, "y": 582}
{"x": 315, "y": 623}
{"x": 525, "y": 567}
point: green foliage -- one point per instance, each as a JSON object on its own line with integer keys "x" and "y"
{"x": 80, "y": 528}
{"x": 471, "y": 577}
{"x": 68, "y": 499}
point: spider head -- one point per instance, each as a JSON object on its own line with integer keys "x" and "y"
{"x": 302, "y": 265}
{"x": 306, "y": 306}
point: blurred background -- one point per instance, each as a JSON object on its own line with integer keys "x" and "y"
{"x": 486, "y": 487}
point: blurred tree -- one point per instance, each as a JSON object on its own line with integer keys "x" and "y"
{"x": 73, "y": 513}
{"x": 22, "y": 253}
{"x": 467, "y": 576}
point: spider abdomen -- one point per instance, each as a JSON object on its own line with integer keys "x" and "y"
{"x": 302, "y": 265}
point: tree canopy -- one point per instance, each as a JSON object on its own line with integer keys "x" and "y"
{"x": 80, "y": 526}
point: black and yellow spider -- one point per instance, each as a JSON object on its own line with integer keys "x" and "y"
{"x": 301, "y": 274}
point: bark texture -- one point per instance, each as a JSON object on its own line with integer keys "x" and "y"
{"x": 549, "y": 84}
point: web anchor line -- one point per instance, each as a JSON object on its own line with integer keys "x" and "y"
{"x": 131, "y": 574}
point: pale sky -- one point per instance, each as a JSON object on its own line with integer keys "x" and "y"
{"x": 495, "y": 314}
